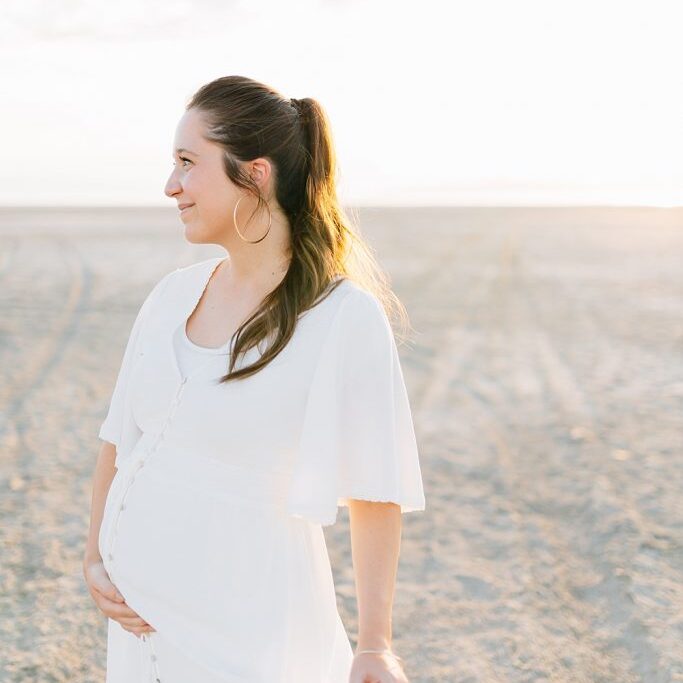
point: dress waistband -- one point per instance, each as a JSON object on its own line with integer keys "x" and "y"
{"x": 204, "y": 476}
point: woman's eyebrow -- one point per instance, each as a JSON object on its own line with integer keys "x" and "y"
{"x": 181, "y": 150}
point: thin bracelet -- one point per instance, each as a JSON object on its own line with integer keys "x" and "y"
{"x": 381, "y": 652}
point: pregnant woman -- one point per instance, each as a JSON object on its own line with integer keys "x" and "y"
{"x": 258, "y": 392}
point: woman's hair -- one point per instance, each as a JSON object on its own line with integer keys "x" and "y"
{"x": 250, "y": 120}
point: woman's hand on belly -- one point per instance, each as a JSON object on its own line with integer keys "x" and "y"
{"x": 110, "y": 602}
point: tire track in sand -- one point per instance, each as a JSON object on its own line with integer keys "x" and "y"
{"x": 26, "y": 489}
{"x": 612, "y": 509}
{"x": 549, "y": 562}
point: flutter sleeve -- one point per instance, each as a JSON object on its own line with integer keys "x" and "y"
{"x": 119, "y": 427}
{"x": 357, "y": 439}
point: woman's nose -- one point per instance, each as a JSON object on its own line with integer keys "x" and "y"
{"x": 172, "y": 186}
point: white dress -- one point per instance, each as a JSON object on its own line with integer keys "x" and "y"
{"x": 212, "y": 527}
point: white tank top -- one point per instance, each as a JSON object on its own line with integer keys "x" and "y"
{"x": 191, "y": 356}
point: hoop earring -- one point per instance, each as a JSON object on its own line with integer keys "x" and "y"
{"x": 234, "y": 220}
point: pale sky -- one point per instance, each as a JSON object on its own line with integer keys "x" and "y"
{"x": 482, "y": 102}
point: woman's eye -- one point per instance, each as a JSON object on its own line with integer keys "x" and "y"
{"x": 182, "y": 159}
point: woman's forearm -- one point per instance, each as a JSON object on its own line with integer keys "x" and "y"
{"x": 102, "y": 478}
{"x": 375, "y": 547}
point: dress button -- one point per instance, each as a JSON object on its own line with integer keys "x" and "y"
{"x": 111, "y": 557}
{"x": 123, "y": 506}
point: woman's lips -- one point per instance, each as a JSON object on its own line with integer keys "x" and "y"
{"x": 186, "y": 208}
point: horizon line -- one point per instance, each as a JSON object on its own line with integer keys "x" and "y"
{"x": 539, "y": 205}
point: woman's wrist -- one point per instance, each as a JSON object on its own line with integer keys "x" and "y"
{"x": 91, "y": 557}
{"x": 373, "y": 641}
{"x": 375, "y": 645}
{"x": 377, "y": 651}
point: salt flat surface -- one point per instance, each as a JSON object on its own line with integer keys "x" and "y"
{"x": 546, "y": 379}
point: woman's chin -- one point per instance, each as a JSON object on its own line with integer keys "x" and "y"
{"x": 194, "y": 236}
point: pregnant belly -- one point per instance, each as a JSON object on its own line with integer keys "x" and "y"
{"x": 208, "y": 556}
{"x": 199, "y": 554}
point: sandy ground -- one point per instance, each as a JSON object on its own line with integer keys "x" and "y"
{"x": 546, "y": 380}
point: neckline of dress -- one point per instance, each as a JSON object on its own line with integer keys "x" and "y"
{"x": 224, "y": 350}
{"x": 214, "y": 350}
{"x": 182, "y": 325}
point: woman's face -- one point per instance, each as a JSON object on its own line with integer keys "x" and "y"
{"x": 199, "y": 179}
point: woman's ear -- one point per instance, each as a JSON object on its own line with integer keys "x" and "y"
{"x": 260, "y": 171}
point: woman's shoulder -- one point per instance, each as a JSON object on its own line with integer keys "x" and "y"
{"x": 360, "y": 303}
{"x": 342, "y": 293}
{"x": 350, "y": 308}
{"x": 353, "y": 293}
